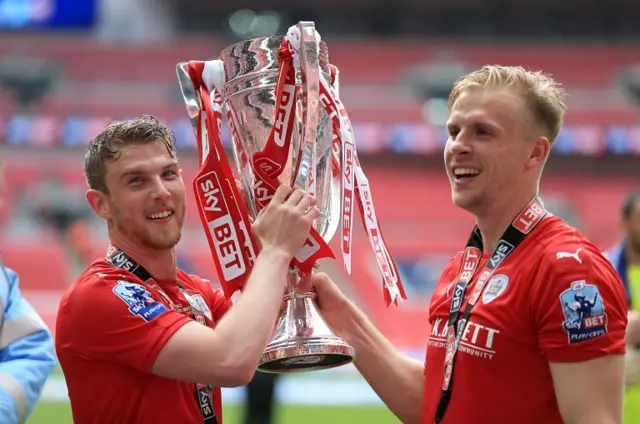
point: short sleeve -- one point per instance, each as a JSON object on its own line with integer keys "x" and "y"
{"x": 115, "y": 320}
{"x": 579, "y": 307}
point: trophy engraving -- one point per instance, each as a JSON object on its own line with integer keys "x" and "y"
{"x": 287, "y": 126}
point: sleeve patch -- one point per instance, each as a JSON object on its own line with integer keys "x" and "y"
{"x": 583, "y": 307}
{"x": 139, "y": 300}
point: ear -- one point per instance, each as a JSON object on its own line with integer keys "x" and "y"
{"x": 539, "y": 153}
{"x": 99, "y": 202}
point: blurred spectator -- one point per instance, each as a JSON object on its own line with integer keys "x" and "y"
{"x": 625, "y": 257}
{"x": 26, "y": 348}
{"x": 261, "y": 399}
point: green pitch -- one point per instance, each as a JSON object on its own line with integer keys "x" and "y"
{"x": 60, "y": 413}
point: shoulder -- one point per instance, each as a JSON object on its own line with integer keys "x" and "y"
{"x": 567, "y": 259}
{"x": 10, "y": 274}
{"x": 565, "y": 250}
{"x": 447, "y": 277}
{"x": 99, "y": 277}
{"x": 453, "y": 263}
{"x": 8, "y": 283}
{"x": 451, "y": 268}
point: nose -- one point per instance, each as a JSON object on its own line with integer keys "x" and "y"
{"x": 460, "y": 145}
{"x": 160, "y": 190}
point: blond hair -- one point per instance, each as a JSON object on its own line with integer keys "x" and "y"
{"x": 540, "y": 92}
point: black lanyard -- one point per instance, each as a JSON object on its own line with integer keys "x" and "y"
{"x": 524, "y": 223}
{"x": 121, "y": 260}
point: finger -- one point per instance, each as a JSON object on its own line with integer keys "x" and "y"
{"x": 312, "y": 214}
{"x": 321, "y": 282}
{"x": 304, "y": 285}
{"x": 254, "y": 222}
{"x": 281, "y": 194}
{"x": 295, "y": 197}
{"x": 305, "y": 203}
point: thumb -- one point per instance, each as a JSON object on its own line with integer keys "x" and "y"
{"x": 321, "y": 283}
{"x": 258, "y": 216}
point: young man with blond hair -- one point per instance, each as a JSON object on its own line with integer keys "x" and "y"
{"x": 528, "y": 322}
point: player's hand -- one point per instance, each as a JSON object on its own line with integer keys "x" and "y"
{"x": 333, "y": 305}
{"x": 285, "y": 222}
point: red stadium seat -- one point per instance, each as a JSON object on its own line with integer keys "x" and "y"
{"x": 40, "y": 261}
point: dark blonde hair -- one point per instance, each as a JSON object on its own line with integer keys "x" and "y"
{"x": 106, "y": 145}
{"x": 541, "y": 93}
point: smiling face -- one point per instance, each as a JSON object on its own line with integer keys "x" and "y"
{"x": 135, "y": 184}
{"x": 146, "y": 202}
{"x": 493, "y": 151}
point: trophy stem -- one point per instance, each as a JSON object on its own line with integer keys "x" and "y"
{"x": 302, "y": 340}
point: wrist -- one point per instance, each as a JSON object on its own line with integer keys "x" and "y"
{"x": 348, "y": 322}
{"x": 275, "y": 255}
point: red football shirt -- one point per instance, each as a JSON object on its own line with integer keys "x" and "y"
{"x": 110, "y": 328}
{"x": 555, "y": 298}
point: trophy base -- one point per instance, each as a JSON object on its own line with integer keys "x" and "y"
{"x": 302, "y": 341}
{"x": 305, "y": 356}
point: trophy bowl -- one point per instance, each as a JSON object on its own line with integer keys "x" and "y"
{"x": 247, "y": 84}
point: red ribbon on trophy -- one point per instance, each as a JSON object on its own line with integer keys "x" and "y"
{"x": 269, "y": 163}
{"x": 223, "y": 214}
{"x": 220, "y": 206}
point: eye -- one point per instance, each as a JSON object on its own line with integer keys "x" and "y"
{"x": 135, "y": 180}
{"x": 483, "y": 131}
{"x": 453, "y": 132}
{"x": 170, "y": 174}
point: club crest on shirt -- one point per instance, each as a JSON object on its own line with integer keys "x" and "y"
{"x": 197, "y": 303}
{"x": 495, "y": 287}
{"x": 583, "y": 307}
{"x": 139, "y": 300}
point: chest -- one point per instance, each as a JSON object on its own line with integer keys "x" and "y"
{"x": 186, "y": 301}
{"x": 499, "y": 325}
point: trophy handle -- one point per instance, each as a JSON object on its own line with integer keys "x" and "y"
{"x": 309, "y": 51}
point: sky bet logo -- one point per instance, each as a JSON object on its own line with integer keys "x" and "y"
{"x": 501, "y": 252}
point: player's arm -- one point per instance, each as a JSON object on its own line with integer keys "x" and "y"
{"x": 101, "y": 320}
{"x": 228, "y": 355}
{"x": 26, "y": 352}
{"x": 590, "y": 392}
{"x": 586, "y": 357}
{"x": 396, "y": 378}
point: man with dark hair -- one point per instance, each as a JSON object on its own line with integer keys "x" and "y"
{"x": 135, "y": 334}
{"x": 625, "y": 258}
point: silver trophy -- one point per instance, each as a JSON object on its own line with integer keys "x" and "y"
{"x": 302, "y": 341}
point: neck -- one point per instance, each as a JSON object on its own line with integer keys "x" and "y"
{"x": 495, "y": 221}
{"x": 160, "y": 263}
{"x": 632, "y": 254}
